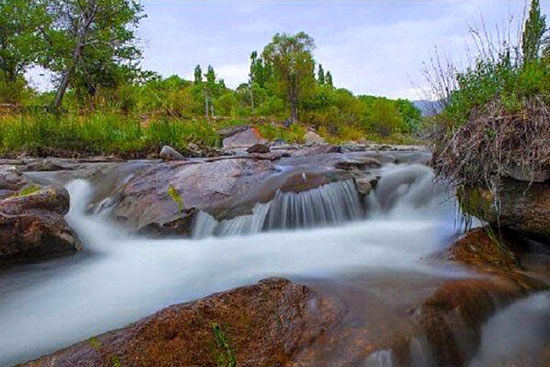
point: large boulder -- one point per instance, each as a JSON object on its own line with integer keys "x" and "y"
{"x": 32, "y": 225}
{"x": 240, "y": 137}
{"x": 259, "y": 325}
{"x": 523, "y": 207}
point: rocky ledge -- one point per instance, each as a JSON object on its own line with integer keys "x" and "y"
{"x": 259, "y": 325}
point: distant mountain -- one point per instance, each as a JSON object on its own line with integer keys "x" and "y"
{"x": 428, "y": 108}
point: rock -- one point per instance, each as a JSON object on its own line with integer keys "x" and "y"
{"x": 279, "y": 142}
{"x": 259, "y": 325}
{"x": 11, "y": 179}
{"x": 170, "y": 154}
{"x": 359, "y": 163}
{"x": 49, "y": 164}
{"x": 523, "y": 207}
{"x": 32, "y": 225}
{"x": 258, "y": 148}
{"x": 521, "y": 174}
{"x": 477, "y": 248}
{"x": 451, "y": 319}
{"x": 288, "y": 122}
{"x": 239, "y": 137}
{"x": 224, "y": 187}
{"x": 312, "y": 138}
{"x": 365, "y": 183}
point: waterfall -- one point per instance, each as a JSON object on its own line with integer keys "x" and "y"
{"x": 330, "y": 204}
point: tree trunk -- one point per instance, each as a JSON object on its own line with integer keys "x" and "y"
{"x": 63, "y": 88}
{"x": 293, "y": 108}
{"x": 83, "y": 26}
{"x": 206, "y": 107}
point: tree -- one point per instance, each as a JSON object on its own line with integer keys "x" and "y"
{"x": 88, "y": 36}
{"x": 292, "y": 62}
{"x": 20, "y": 42}
{"x": 533, "y": 32}
{"x": 328, "y": 79}
{"x": 321, "y": 75}
{"x": 198, "y": 74}
{"x": 384, "y": 117}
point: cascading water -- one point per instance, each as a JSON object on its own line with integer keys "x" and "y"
{"x": 335, "y": 203}
{"x": 120, "y": 278}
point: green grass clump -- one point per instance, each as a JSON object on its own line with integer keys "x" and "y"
{"x": 225, "y": 356}
{"x": 176, "y": 197}
{"x": 27, "y": 190}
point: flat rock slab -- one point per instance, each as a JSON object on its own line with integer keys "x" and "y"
{"x": 260, "y": 325}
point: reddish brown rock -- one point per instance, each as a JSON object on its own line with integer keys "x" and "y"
{"x": 484, "y": 249}
{"x": 452, "y": 318}
{"x": 260, "y": 325}
{"x": 32, "y": 225}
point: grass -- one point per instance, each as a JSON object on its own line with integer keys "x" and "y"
{"x": 27, "y": 190}
{"x": 99, "y": 133}
{"x": 129, "y": 136}
{"x": 176, "y": 197}
{"x": 225, "y": 355}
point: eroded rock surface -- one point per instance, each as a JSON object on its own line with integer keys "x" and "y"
{"x": 260, "y": 325}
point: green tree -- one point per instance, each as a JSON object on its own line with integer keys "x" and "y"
{"x": 292, "y": 62}
{"x": 321, "y": 75}
{"x": 533, "y": 32}
{"x": 88, "y": 33}
{"x": 384, "y": 117}
{"x": 21, "y": 24}
{"x": 198, "y": 74}
{"x": 328, "y": 79}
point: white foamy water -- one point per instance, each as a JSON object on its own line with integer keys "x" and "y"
{"x": 120, "y": 278}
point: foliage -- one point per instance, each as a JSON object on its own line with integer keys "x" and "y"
{"x": 91, "y": 44}
{"x": 292, "y": 62}
{"x": 105, "y": 104}
{"x": 533, "y": 33}
{"x": 497, "y": 120}
{"x": 176, "y": 197}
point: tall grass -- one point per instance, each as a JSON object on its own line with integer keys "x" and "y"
{"x": 99, "y": 133}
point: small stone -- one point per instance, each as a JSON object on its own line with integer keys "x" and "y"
{"x": 312, "y": 138}
{"x": 170, "y": 154}
{"x": 258, "y": 148}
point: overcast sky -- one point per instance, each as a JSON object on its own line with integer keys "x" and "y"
{"x": 371, "y": 47}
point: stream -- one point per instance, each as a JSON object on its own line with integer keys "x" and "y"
{"x": 386, "y": 253}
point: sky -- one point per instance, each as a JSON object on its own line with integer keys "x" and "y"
{"x": 370, "y": 47}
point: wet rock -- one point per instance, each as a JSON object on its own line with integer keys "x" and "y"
{"x": 258, "y": 148}
{"x": 49, "y": 164}
{"x": 312, "y": 138}
{"x": 452, "y": 318}
{"x": 365, "y": 183}
{"x": 32, "y": 225}
{"x": 170, "y": 154}
{"x": 524, "y": 208}
{"x": 260, "y": 325}
{"x": 360, "y": 163}
{"x": 224, "y": 187}
{"x": 239, "y": 137}
{"x": 483, "y": 248}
